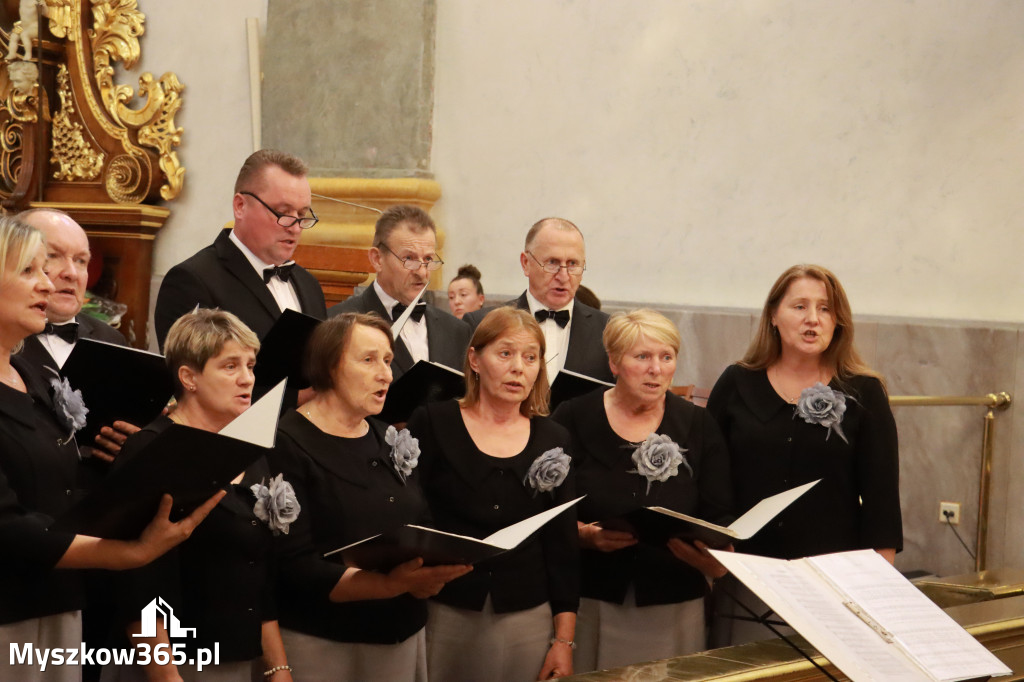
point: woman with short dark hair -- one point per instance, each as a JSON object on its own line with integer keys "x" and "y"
{"x": 356, "y": 478}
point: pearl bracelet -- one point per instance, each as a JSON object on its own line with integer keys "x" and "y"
{"x": 568, "y": 642}
{"x": 277, "y": 669}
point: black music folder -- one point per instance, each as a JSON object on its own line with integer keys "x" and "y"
{"x": 283, "y": 349}
{"x": 117, "y": 383}
{"x": 385, "y": 551}
{"x": 655, "y": 525}
{"x": 188, "y": 463}
{"x": 425, "y": 382}
{"x": 568, "y": 385}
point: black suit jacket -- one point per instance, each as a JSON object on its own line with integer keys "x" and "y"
{"x": 447, "y": 335}
{"x": 585, "y": 354}
{"x": 220, "y": 276}
{"x": 88, "y": 328}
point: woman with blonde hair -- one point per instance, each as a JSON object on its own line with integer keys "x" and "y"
{"x": 800, "y": 406}
{"x": 639, "y": 445}
{"x": 40, "y": 600}
{"x": 488, "y": 461}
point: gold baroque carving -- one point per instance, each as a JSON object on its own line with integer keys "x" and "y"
{"x": 128, "y": 178}
{"x": 117, "y": 25}
{"x": 61, "y": 16}
{"x": 75, "y": 156}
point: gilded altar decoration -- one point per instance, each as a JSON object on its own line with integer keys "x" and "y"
{"x": 113, "y": 143}
{"x": 74, "y": 156}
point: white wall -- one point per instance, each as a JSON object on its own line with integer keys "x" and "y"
{"x": 705, "y": 146}
{"x": 204, "y": 43}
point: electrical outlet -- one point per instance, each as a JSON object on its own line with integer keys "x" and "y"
{"x": 950, "y": 510}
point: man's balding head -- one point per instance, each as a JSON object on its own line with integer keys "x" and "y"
{"x": 67, "y": 260}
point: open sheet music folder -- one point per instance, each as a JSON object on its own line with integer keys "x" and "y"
{"x": 385, "y": 551}
{"x": 867, "y": 619}
{"x": 568, "y": 385}
{"x": 282, "y": 350}
{"x": 188, "y": 463}
{"x": 655, "y": 525}
{"x": 117, "y": 383}
{"x": 425, "y": 382}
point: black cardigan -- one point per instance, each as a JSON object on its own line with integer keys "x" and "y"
{"x": 349, "y": 491}
{"x": 603, "y": 463}
{"x": 473, "y": 494}
{"x": 857, "y": 503}
{"x": 37, "y": 484}
{"x": 219, "y": 581}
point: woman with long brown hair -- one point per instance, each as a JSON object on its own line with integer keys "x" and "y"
{"x": 802, "y": 405}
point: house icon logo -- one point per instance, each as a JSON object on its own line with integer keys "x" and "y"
{"x": 159, "y": 609}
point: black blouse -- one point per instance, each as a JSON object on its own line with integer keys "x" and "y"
{"x": 349, "y": 490}
{"x": 857, "y": 503}
{"x": 603, "y": 464}
{"x": 38, "y": 477}
{"x": 474, "y": 494}
{"x": 221, "y": 580}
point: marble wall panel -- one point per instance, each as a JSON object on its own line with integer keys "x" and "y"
{"x": 1008, "y": 476}
{"x": 940, "y": 447}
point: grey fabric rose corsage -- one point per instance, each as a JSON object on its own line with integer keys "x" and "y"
{"x": 822, "y": 405}
{"x": 658, "y": 459}
{"x": 68, "y": 404}
{"x": 405, "y": 451}
{"x": 276, "y": 504}
{"x": 548, "y": 471}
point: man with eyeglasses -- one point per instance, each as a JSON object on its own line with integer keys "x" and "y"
{"x": 553, "y": 261}
{"x": 248, "y": 270}
{"x": 403, "y": 255}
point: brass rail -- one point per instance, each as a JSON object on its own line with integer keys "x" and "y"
{"x": 993, "y": 401}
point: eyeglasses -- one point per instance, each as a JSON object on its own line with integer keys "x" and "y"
{"x": 411, "y": 264}
{"x": 288, "y": 220}
{"x": 552, "y": 268}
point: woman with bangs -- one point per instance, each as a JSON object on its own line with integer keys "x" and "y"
{"x": 488, "y": 461}
{"x": 221, "y": 580}
{"x": 800, "y": 406}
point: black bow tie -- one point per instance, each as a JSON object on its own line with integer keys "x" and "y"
{"x": 67, "y": 331}
{"x": 561, "y": 317}
{"x": 417, "y": 311}
{"x": 282, "y": 272}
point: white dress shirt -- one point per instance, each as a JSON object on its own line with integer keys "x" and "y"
{"x": 283, "y": 292}
{"x": 58, "y": 348}
{"x": 414, "y": 334}
{"x": 556, "y": 339}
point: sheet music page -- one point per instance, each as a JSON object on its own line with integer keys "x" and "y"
{"x": 767, "y": 509}
{"x": 925, "y": 632}
{"x": 814, "y": 610}
{"x": 510, "y": 536}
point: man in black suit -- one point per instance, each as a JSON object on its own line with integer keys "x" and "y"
{"x": 404, "y": 253}
{"x": 553, "y": 261}
{"x": 248, "y": 270}
{"x": 67, "y": 264}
